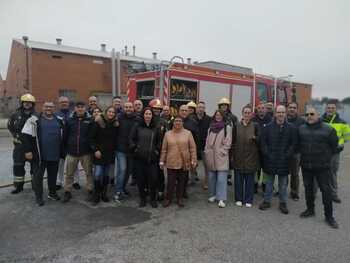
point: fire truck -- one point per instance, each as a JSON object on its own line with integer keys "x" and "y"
{"x": 180, "y": 83}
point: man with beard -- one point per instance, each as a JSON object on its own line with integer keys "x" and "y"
{"x": 262, "y": 119}
{"x": 294, "y": 161}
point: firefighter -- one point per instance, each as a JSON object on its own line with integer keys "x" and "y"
{"x": 15, "y": 125}
{"x": 162, "y": 126}
{"x": 191, "y": 107}
{"x": 231, "y": 119}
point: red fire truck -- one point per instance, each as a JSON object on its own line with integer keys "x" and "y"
{"x": 180, "y": 83}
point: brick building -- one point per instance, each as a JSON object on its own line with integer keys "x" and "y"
{"x": 50, "y": 70}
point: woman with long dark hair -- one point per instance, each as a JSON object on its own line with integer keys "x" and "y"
{"x": 102, "y": 140}
{"x": 145, "y": 144}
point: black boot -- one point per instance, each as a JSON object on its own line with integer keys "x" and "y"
{"x": 97, "y": 192}
{"x": 104, "y": 195}
{"x": 18, "y": 189}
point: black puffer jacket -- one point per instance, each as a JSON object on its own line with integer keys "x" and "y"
{"x": 103, "y": 136}
{"x": 126, "y": 123}
{"x": 145, "y": 142}
{"x": 77, "y": 139}
{"x": 191, "y": 124}
{"x": 277, "y": 146}
{"x": 296, "y": 121}
{"x": 262, "y": 121}
{"x": 317, "y": 143}
{"x": 203, "y": 126}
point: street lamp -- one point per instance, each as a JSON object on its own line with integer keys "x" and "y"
{"x": 275, "y": 86}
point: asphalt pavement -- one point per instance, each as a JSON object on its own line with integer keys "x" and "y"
{"x": 199, "y": 232}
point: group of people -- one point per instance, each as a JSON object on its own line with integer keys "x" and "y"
{"x": 160, "y": 152}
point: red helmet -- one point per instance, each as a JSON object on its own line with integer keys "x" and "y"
{"x": 155, "y": 103}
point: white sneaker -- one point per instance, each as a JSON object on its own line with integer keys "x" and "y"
{"x": 248, "y": 205}
{"x": 239, "y": 203}
{"x": 221, "y": 204}
{"x": 211, "y": 199}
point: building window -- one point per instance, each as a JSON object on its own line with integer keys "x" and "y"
{"x": 71, "y": 94}
{"x": 145, "y": 91}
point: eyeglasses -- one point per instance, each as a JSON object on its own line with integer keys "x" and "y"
{"x": 309, "y": 114}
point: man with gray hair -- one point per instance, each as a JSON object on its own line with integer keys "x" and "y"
{"x": 278, "y": 141}
{"x": 318, "y": 142}
{"x": 92, "y": 104}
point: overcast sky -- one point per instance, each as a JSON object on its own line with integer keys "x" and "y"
{"x": 307, "y": 38}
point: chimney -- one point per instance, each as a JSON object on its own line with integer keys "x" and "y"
{"x": 59, "y": 41}
{"x": 154, "y": 55}
{"x": 134, "y": 50}
{"x": 25, "y": 39}
{"x": 188, "y": 60}
{"x": 103, "y": 47}
{"x": 126, "y": 50}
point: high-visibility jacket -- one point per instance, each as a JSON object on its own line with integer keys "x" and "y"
{"x": 341, "y": 127}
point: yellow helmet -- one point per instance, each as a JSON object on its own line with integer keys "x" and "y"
{"x": 27, "y": 98}
{"x": 192, "y": 104}
{"x": 224, "y": 101}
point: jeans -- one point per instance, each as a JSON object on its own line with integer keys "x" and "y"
{"x": 244, "y": 186}
{"x": 322, "y": 177}
{"x": 51, "y": 167}
{"x": 121, "y": 171}
{"x": 101, "y": 171}
{"x": 334, "y": 171}
{"x": 218, "y": 184}
{"x": 282, "y": 188}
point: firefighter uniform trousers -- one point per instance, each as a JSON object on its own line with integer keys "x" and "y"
{"x": 18, "y": 165}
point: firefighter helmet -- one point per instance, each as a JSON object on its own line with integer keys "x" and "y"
{"x": 224, "y": 101}
{"x": 192, "y": 104}
{"x": 27, "y": 98}
{"x": 155, "y": 103}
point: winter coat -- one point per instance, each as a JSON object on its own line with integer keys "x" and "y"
{"x": 15, "y": 124}
{"x": 64, "y": 114}
{"x": 245, "y": 147}
{"x": 317, "y": 144}
{"x": 145, "y": 142}
{"x": 217, "y": 148}
{"x": 203, "y": 126}
{"x": 178, "y": 150}
{"x": 277, "y": 146}
{"x": 126, "y": 123}
{"x": 262, "y": 121}
{"x": 191, "y": 123}
{"x": 77, "y": 139}
{"x": 230, "y": 118}
{"x": 32, "y": 133}
{"x": 102, "y": 137}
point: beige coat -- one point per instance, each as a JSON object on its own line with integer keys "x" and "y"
{"x": 178, "y": 150}
{"x": 216, "y": 150}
